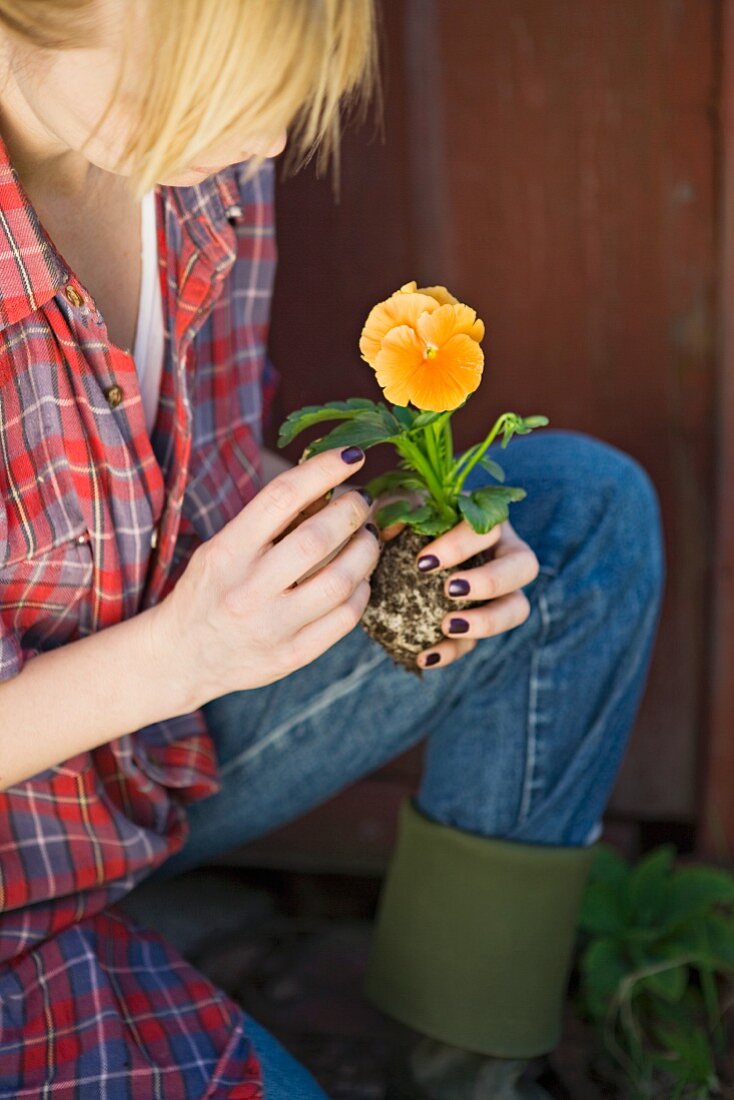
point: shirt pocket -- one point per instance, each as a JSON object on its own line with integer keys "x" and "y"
{"x": 46, "y": 561}
{"x": 41, "y": 510}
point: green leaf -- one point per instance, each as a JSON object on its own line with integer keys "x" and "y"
{"x": 689, "y": 1054}
{"x": 302, "y": 418}
{"x": 423, "y": 419}
{"x": 404, "y": 415}
{"x": 492, "y": 467}
{"x": 487, "y": 506}
{"x": 474, "y": 515}
{"x": 648, "y": 885}
{"x": 427, "y": 520}
{"x": 395, "y": 479}
{"x": 520, "y": 425}
{"x": 397, "y": 511}
{"x": 366, "y": 431}
{"x": 695, "y": 891}
{"x": 609, "y": 868}
{"x": 601, "y": 912}
{"x": 719, "y": 936}
{"x": 603, "y": 968}
{"x": 669, "y": 984}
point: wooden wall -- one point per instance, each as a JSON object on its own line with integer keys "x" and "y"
{"x": 555, "y": 162}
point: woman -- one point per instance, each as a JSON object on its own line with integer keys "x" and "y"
{"x": 167, "y": 692}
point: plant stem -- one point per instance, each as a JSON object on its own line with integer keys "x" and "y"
{"x": 448, "y": 443}
{"x": 711, "y": 1000}
{"x": 413, "y": 454}
{"x": 431, "y": 450}
{"x": 459, "y": 475}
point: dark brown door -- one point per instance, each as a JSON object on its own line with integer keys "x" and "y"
{"x": 554, "y": 162}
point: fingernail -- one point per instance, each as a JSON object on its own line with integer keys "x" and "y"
{"x": 432, "y": 659}
{"x": 458, "y": 587}
{"x": 367, "y": 496}
{"x": 352, "y": 454}
{"x": 373, "y": 530}
{"x": 428, "y": 561}
{"x": 458, "y": 626}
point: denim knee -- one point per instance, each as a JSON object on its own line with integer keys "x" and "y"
{"x": 582, "y": 490}
{"x": 633, "y": 515}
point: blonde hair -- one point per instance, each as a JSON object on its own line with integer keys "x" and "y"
{"x": 226, "y": 69}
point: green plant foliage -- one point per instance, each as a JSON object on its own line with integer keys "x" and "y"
{"x": 425, "y": 519}
{"x": 492, "y": 468}
{"x": 427, "y": 464}
{"x": 486, "y": 507}
{"x": 395, "y": 480}
{"x": 658, "y": 954}
{"x": 303, "y": 418}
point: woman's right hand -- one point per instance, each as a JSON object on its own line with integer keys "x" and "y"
{"x": 238, "y": 618}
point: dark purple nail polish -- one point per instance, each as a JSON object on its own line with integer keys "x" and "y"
{"x": 352, "y": 454}
{"x": 367, "y": 496}
{"x": 458, "y": 626}
{"x": 458, "y": 587}
{"x": 373, "y": 530}
{"x": 428, "y": 561}
{"x": 433, "y": 658}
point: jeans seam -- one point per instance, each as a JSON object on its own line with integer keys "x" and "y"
{"x": 535, "y": 686}
{"x": 333, "y": 692}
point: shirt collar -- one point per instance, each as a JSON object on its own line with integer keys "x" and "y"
{"x": 32, "y": 270}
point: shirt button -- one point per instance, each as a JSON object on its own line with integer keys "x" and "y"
{"x": 113, "y": 395}
{"x": 73, "y": 295}
{"x": 81, "y": 539}
{"x": 154, "y": 538}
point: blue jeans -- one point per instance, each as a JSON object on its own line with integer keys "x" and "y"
{"x": 524, "y": 734}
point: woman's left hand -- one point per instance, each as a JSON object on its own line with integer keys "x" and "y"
{"x": 500, "y": 581}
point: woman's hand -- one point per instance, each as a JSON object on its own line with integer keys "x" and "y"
{"x": 249, "y": 608}
{"x": 500, "y": 581}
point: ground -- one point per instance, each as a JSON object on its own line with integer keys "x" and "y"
{"x": 291, "y": 948}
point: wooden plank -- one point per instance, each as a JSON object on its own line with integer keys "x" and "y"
{"x": 583, "y": 197}
{"x": 554, "y": 163}
{"x": 717, "y": 839}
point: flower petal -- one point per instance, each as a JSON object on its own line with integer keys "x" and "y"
{"x": 440, "y": 293}
{"x": 439, "y": 326}
{"x": 401, "y": 308}
{"x": 445, "y": 381}
{"x": 400, "y": 357}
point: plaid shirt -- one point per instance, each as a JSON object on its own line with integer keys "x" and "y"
{"x": 97, "y": 521}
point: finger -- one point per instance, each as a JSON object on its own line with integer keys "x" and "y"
{"x": 509, "y": 570}
{"x": 313, "y": 640}
{"x": 334, "y": 584}
{"x": 391, "y": 532}
{"x": 455, "y": 546}
{"x": 446, "y": 652}
{"x": 496, "y": 617}
{"x": 271, "y": 510}
{"x": 312, "y": 542}
{"x": 321, "y": 502}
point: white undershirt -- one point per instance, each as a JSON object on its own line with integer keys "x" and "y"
{"x": 149, "y": 337}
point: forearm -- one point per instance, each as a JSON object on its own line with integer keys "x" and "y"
{"x": 85, "y": 693}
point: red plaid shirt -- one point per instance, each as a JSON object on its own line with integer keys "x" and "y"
{"x": 97, "y": 521}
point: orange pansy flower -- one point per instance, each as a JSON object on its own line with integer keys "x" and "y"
{"x": 423, "y": 345}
